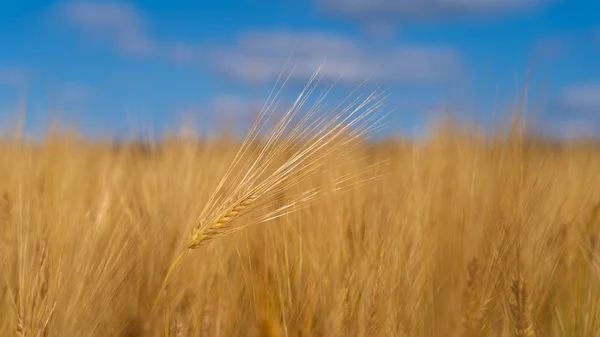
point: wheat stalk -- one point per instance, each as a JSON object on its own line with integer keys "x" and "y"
{"x": 305, "y": 141}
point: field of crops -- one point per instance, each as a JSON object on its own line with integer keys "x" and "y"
{"x": 454, "y": 235}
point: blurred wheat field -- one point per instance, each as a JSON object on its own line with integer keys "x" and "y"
{"x": 460, "y": 236}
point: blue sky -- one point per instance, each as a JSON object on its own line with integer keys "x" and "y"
{"x": 110, "y": 66}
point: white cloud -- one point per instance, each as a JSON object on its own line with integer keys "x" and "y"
{"x": 233, "y": 113}
{"x": 115, "y": 23}
{"x": 568, "y": 128}
{"x": 260, "y": 56}
{"x": 232, "y": 105}
{"x": 579, "y": 128}
{"x": 549, "y": 48}
{"x": 71, "y": 93}
{"x": 565, "y": 43}
{"x": 123, "y": 27}
{"x": 13, "y": 76}
{"x": 381, "y": 30}
{"x": 581, "y": 97}
{"x": 418, "y": 10}
{"x": 182, "y": 53}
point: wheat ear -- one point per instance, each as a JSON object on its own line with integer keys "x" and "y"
{"x": 202, "y": 234}
{"x": 247, "y": 183}
{"x": 520, "y": 309}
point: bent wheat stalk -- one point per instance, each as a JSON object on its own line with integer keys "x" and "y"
{"x": 305, "y": 142}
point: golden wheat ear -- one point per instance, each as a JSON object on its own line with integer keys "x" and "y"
{"x": 520, "y": 309}
{"x": 258, "y": 173}
{"x": 203, "y": 234}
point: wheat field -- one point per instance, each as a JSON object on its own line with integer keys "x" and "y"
{"x": 459, "y": 234}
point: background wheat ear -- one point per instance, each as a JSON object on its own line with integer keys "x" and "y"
{"x": 520, "y": 309}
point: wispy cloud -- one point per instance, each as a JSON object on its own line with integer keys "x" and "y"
{"x": 13, "y": 76}
{"x": 569, "y": 128}
{"x": 374, "y": 15}
{"x": 234, "y": 106}
{"x": 418, "y": 10}
{"x": 581, "y": 98}
{"x": 260, "y": 56}
{"x": 123, "y": 27}
{"x": 71, "y": 94}
{"x": 565, "y": 43}
{"x": 182, "y": 53}
{"x": 118, "y": 24}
